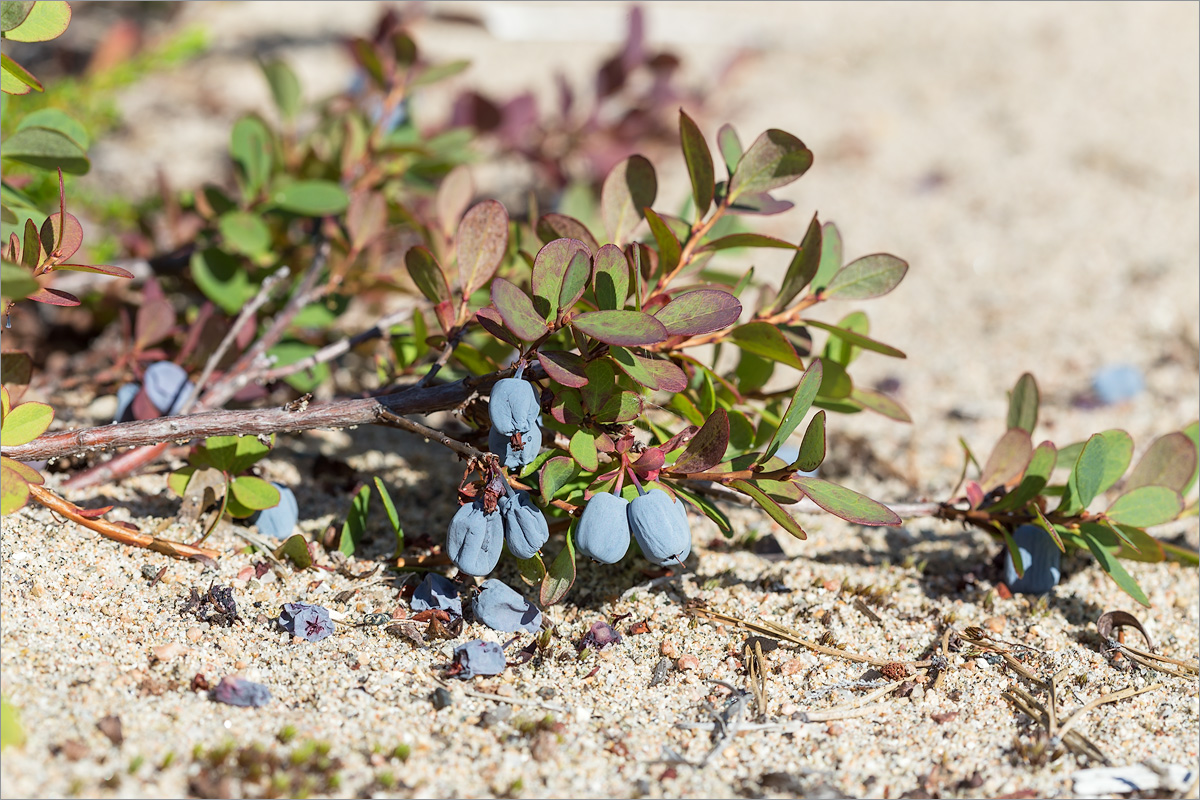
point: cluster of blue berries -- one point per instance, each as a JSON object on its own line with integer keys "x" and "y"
{"x": 659, "y": 525}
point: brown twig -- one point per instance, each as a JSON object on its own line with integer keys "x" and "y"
{"x": 385, "y": 417}
{"x": 118, "y": 533}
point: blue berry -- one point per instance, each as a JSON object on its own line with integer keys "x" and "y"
{"x": 660, "y": 527}
{"x": 125, "y": 396}
{"x": 513, "y": 406}
{"x": 603, "y": 531}
{"x": 475, "y": 539}
{"x": 525, "y": 527}
{"x": 478, "y": 657}
{"x": 309, "y": 622}
{"x": 280, "y": 520}
{"x": 1040, "y": 557}
{"x": 167, "y": 386}
{"x": 502, "y": 609}
{"x": 437, "y": 592}
{"x": 1117, "y": 383}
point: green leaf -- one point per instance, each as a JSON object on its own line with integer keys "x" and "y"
{"x": 831, "y": 256}
{"x": 45, "y": 21}
{"x": 766, "y": 340}
{"x": 1170, "y": 461}
{"x": 669, "y": 248}
{"x": 801, "y": 402}
{"x": 1109, "y": 564}
{"x": 1192, "y": 432}
{"x": 245, "y": 233}
{"x": 856, "y": 339}
{"x": 289, "y": 352}
{"x": 559, "y": 226}
{"x": 812, "y": 446}
{"x": 736, "y": 240}
{"x": 254, "y": 493}
{"x": 250, "y": 148}
{"x": 700, "y": 311}
{"x": 222, "y": 279}
{"x": 1037, "y": 474}
{"x": 699, "y": 163}
{"x": 15, "y": 478}
{"x": 1101, "y": 463}
{"x": 13, "y": 13}
{"x": 579, "y": 273}
{"x": 561, "y": 575}
{"x": 583, "y": 450}
{"x": 389, "y": 508}
{"x": 427, "y": 274}
{"x": 556, "y": 473}
{"x": 611, "y": 279}
{"x": 285, "y": 87}
{"x": 775, "y": 159}
{"x": 1146, "y": 506}
{"x": 47, "y": 149}
{"x": 311, "y": 198}
{"x": 234, "y": 454}
{"x": 517, "y": 310}
{"x": 802, "y": 268}
{"x": 773, "y": 509}
{"x": 628, "y": 328}
{"x": 730, "y": 147}
{"x": 532, "y": 570}
{"x": 550, "y": 268}
{"x": 295, "y": 549}
{"x": 1008, "y": 459}
{"x": 482, "y": 241}
{"x": 630, "y": 187}
{"x": 866, "y": 277}
{"x": 58, "y": 120}
{"x": 1023, "y": 404}
{"x": 439, "y": 72}
{"x": 16, "y": 283}
{"x": 621, "y": 407}
{"x": 653, "y": 373}
{"x": 24, "y": 423}
{"x": 846, "y": 503}
{"x": 707, "y": 448}
{"x": 880, "y": 403}
{"x": 355, "y": 525}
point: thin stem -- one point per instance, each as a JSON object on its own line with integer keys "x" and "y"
{"x": 385, "y": 417}
{"x": 332, "y": 351}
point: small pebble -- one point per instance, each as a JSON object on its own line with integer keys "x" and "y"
{"x": 547, "y": 692}
{"x": 687, "y": 662}
{"x": 668, "y": 649}
{"x": 494, "y": 716}
{"x": 165, "y": 652}
{"x": 791, "y": 666}
{"x": 441, "y": 698}
{"x": 193, "y": 634}
{"x": 835, "y": 729}
{"x": 995, "y": 624}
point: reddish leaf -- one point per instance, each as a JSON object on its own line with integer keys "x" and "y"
{"x": 776, "y": 158}
{"x": 611, "y": 278}
{"x": 707, "y": 447}
{"x": 427, "y": 274}
{"x": 846, "y": 503}
{"x": 653, "y": 373}
{"x": 628, "y": 328}
{"x": 630, "y": 187}
{"x": 366, "y": 218}
{"x": 517, "y": 310}
{"x": 550, "y": 270}
{"x": 99, "y": 269}
{"x": 155, "y": 316}
{"x": 453, "y": 196}
{"x": 71, "y": 232}
{"x": 560, "y": 226}
{"x": 53, "y": 297}
{"x": 1169, "y": 461}
{"x": 482, "y": 240}
{"x": 745, "y": 240}
{"x": 491, "y": 321}
{"x": 650, "y": 461}
{"x": 1008, "y": 459}
{"x": 566, "y": 368}
{"x": 880, "y": 403}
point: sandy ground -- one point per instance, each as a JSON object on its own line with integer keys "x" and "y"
{"x": 1039, "y": 167}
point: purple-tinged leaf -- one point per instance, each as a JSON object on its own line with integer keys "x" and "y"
{"x": 735, "y": 240}
{"x": 773, "y": 509}
{"x": 611, "y": 278}
{"x": 427, "y": 274}
{"x": 802, "y": 268}
{"x": 1034, "y": 479}
{"x": 707, "y": 448}
{"x": 880, "y": 403}
{"x": 53, "y": 297}
{"x": 867, "y": 277}
{"x": 628, "y": 328}
{"x": 61, "y": 240}
{"x": 856, "y": 338}
{"x": 491, "y": 321}
{"x": 761, "y": 204}
{"x": 517, "y": 310}
{"x": 550, "y": 268}
{"x": 653, "y": 373}
{"x": 453, "y": 196}
{"x": 481, "y": 242}
{"x": 699, "y": 163}
{"x": 766, "y": 340}
{"x": 802, "y": 400}
{"x": 651, "y": 459}
{"x": 1008, "y": 459}
{"x": 566, "y": 368}
{"x": 630, "y": 187}
{"x": 561, "y": 575}
{"x": 559, "y": 226}
{"x": 669, "y": 248}
{"x": 847, "y": 503}
{"x": 97, "y": 269}
{"x": 701, "y": 311}
{"x": 579, "y": 272}
{"x": 775, "y": 159}
{"x": 1169, "y": 461}
{"x": 812, "y": 446}
{"x": 366, "y": 218}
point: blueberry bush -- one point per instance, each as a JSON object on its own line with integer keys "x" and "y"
{"x": 619, "y": 377}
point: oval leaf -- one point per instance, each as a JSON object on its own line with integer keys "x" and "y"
{"x": 453, "y": 196}
{"x": 559, "y": 226}
{"x": 773, "y": 509}
{"x": 775, "y": 159}
{"x": 550, "y": 268}
{"x": 1146, "y": 506}
{"x": 812, "y": 446}
{"x": 847, "y": 503}
{"x": 517, "y": 310}
{"x": 880, "y": 403}
{"x": 1008, "y": 459}
{"x": 566, "y": 368}
{"x": 554, "y": 475}
{"x": 867, "y": 277}
{"x": 802, "y": 268}
{"x": 707, "y": 448}
{"x": 699, "y": 163}
{"x": 560, "y": 576}
{"x": 427, "y": 274}
{"x": 653, "y": 373}
{"x": 669, "y": 248}
{"x": 24, "y": 423}
{"x": 583, "y": 450}
{"x": 311, "y": 198}
{"x": 630, "y": 187}
{"x": 253, "y": 492}
{"x": 47, "y": 149}
{"x": 735, "y": 240}
{"x": 46, "y": 20}
{"x": 856, "y": 338}
{"x": 701, "y": 311}
{"x": 1023, "y": 404}
{"x": 802, "y": 399}
{"x": 1169, "y": 461}
{"x": 610, "y": 279}
{"x": 482, "y": 240}
{"x": 766, "y": 340}
{"x": 628, "y": 328}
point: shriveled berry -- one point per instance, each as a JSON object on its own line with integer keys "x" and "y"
{"x": 603, "y": 531}
{"x": 512, "y": 456}
{"x": 1040, "y": 557}
{"x": 125, "y": 397}
{"x": 279, "y": 520}
{"x": 514, "y": 406}
{"x": 437, "y": 592}
{"x": 167, "y": 386}
{"x": 240, "y": 692}
{"x": 599, "y": 636}
{"x": 525, "y": 527}
{"x": 660, "y": 527}
{"x": 503, "y": 609}
{"x": 309, "y": 622}
{"x": 478, "y": 657}
{"x": 475, "y": 539}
